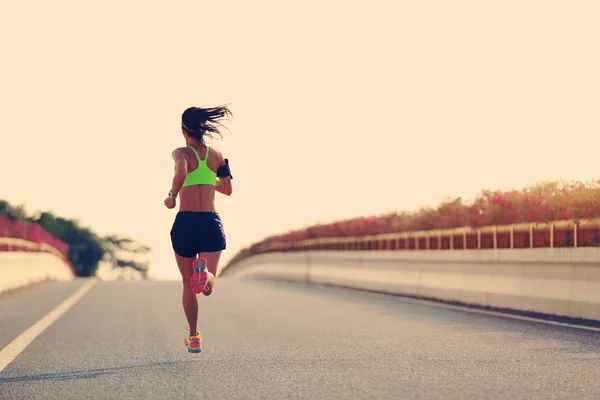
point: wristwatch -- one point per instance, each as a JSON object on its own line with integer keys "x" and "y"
{"x": 171, "y": 195}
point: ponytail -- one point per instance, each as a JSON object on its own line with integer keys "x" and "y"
{"x": 199, "y": 122}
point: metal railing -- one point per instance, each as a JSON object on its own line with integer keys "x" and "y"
{"x": 583, "y": 233}
{"x": 21, "y": 245}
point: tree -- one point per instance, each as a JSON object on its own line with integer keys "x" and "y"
{"x": 115, "y": 245}
{"x": 86, "y": 248}
{"x": 12, "y": 212}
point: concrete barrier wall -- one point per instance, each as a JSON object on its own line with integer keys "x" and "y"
{"x": 282, "y": 265}
{"x": 19, "y": 269}
{"x": 560, "y": 281}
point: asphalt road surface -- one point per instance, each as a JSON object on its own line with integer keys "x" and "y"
{"x": 277, "y": 340}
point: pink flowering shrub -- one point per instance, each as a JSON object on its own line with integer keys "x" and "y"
{"x": 31, "y": 232}
{"x": 543, "y": 202}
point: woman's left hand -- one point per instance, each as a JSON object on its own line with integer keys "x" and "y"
{"x": 170, "y": 202}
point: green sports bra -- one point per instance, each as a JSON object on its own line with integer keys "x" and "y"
{"x": 201, "y": 175}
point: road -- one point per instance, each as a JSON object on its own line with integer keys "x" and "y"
{"x": 278, "y": 340}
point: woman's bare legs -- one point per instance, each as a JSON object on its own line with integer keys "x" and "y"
{"x": 212, "y": 266}
{"x": 189, "y": 299}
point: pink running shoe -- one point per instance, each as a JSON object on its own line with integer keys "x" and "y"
{"x": 193, "y": 343}
{"x": 200, "y": 275}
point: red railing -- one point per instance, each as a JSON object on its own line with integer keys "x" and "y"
{"x": 555, "y": 234}
{"x": 500, "y": 219}
{"x": 25, "y": 236}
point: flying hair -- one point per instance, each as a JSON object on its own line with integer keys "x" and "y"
{"x": 200, "y": 122}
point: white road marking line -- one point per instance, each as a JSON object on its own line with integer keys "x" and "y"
{"x": 10, "y": 352}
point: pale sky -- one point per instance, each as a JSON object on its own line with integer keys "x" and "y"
{"x": 341, "y": 109}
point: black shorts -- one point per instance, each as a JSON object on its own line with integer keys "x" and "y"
{"x": 196, "y": 232}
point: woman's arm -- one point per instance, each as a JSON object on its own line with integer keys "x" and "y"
{"x": 224, "y": 186}
{"x": 224, "y": 179}
{"x": 181, "y": 166}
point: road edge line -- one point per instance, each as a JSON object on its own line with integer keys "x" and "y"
{"x": 20, "y": 343}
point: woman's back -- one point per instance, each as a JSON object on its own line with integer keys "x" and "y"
{"x": 199, "y": 194}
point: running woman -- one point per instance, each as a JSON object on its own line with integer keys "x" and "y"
{"x": 197, "y": 235}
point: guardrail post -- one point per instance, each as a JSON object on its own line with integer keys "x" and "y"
{"x": 478, "y": 239}
{"x": 495, "y": 237}
{"x": 512, "y": 237}
{"x": 575, "y": 235}
{"x": 530, "y": 236}
{"x": 552, "y": 236}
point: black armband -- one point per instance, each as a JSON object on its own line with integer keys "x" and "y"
{"x": 223, "y": 171}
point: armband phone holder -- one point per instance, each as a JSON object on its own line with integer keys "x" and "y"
{"x": 224, "y": 171}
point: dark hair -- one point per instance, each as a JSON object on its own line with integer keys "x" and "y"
{"x": 199, "y": 122}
